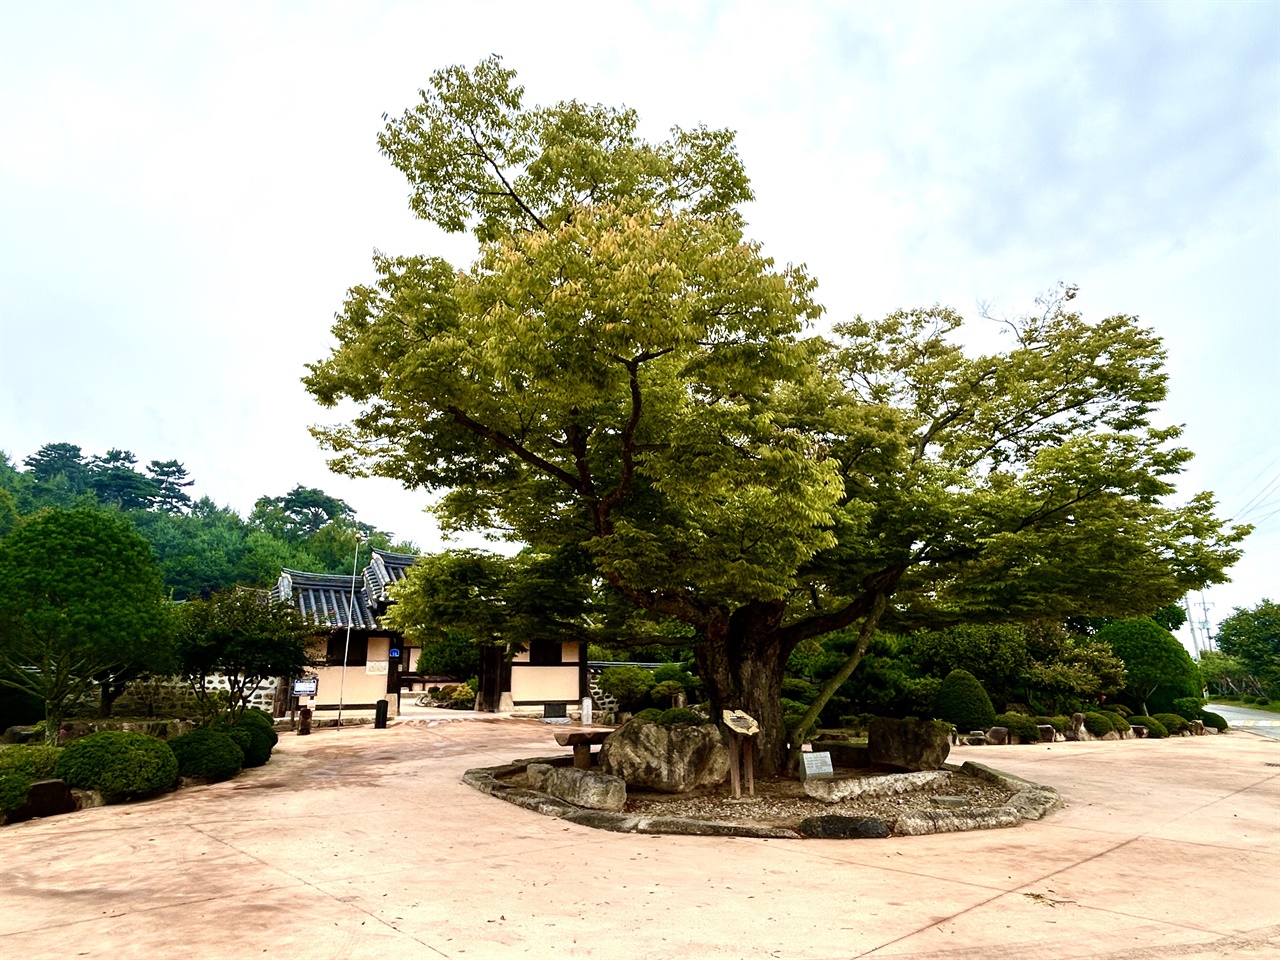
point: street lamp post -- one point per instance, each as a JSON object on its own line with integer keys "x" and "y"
{"x": 351, "y": 615}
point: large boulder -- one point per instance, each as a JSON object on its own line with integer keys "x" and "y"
{"x": 582, "y": 788}
{"x": 672, "y": 759}
{"x": 908, "y": 744}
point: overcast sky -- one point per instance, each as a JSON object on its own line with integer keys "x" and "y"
{"x": 187, "y": 190}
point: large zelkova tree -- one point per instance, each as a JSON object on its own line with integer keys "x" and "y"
{"x": 81, "y": 605}
{"x": 623, "y": 371}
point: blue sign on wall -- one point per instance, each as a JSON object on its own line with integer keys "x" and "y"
{"x": 393, "y": 652}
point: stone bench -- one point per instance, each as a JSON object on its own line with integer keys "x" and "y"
{"x": 582, "y": 741}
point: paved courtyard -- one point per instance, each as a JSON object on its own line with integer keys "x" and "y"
{"x": 360, "y": 843}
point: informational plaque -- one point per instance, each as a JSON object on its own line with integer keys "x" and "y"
{"x": 739, "y": 722}
{"x": 306, "y": 687}
{"x": 817, "y": 765}
{"x": 375, "y": 668}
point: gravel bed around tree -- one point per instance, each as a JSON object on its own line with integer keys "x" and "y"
{"x": 781, "y": 802}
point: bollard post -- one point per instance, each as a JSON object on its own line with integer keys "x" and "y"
{"x": 380, "y": 715}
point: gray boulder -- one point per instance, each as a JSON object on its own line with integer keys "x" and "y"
{"x": 998, "y": 735}
{"x": 1047, "y": 733}
{"x": 583, "y": 788}
{"x": 673, "y": 759}
{"x": 908, "y": 744}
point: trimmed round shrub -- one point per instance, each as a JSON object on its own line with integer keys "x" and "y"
{"x": 962, "y": 701}
{"x": 648, "y": 715}
{"x": 118, "y": 764}
{"x": 464, "y": 698}
{"x": 629, "y": 685}
{"x": 264, "y": 720}
{"x": 20, "y": 767}
{"x": 1188, "y": 708}
{"x": 1059, "y": 724}
{"x": 211, "y": 754}
{"x": 35, "y": 761}
{"x": 1098, "y": 724}
{"x": 1155, "y": 729}
{"x": 1172, "y": 722}
{"x": 254, "y": 742}
{"x": 1119, "y": 708}
{"x": 678, "y": 715}
{"x": 1215, "y": 720}
{"x": 1019, "y": 708}
{"x": 1118, "y": 723}
{"x": 14, "y": 787}
{"x": 1020, "y": 725}
{"x": 1263, "y": 701}
{"x": 677, "y": 672}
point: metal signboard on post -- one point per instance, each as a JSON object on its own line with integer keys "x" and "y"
{"x": 307, "y": 687}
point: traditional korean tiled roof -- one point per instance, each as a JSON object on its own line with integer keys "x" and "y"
{"x": 326, "y": 599}
{"x": 384, "y": 569}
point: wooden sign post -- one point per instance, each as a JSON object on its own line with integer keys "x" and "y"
{"x": 741, "y": 729}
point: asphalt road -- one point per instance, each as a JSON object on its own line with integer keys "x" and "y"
{"x": 1259, "y": 722}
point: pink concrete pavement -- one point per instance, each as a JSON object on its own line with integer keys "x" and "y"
{"x": 362, "y": 843}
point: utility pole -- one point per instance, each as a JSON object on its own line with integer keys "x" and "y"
{"x": 1204, "y": 623}
{"x": 1191, "y": 624}
{"x": 351, "y": 615}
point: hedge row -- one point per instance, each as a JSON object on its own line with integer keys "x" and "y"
{"x": 128, "y": 766}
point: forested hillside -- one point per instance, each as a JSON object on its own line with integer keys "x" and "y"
{"x": 200, "y": 547}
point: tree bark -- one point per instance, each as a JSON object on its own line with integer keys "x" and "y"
{"x": 741, "y": 663}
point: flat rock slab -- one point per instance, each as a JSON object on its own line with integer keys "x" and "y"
{"x": 836, "y": 827}
{"x": 834, "y": 791}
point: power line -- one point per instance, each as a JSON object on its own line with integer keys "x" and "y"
{"x": 1266, "y": 504}
{"x": 1257, "y": 496}
{"x": 1255, "y": 477}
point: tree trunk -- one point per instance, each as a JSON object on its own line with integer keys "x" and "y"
{"x": 108, "y": 694}
{"x": 52, "y": 724}
{"x": 810, "y": 718}
{"x": 741, "y": 663}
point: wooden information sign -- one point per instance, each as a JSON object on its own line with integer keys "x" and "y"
{"x": 742, "y": 727}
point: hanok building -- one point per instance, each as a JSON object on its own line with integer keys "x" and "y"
{"x": 546, "y": 675}
{"x": 349, "y": 610}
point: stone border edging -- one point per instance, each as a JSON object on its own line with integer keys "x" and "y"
{"x": 1031, "y": 801}
{"x": 486, "y": 780}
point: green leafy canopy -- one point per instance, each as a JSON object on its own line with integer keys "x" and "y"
{"x": 622, "y": 371}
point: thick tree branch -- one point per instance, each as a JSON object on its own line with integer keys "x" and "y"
{"x": 508, "y": 443}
